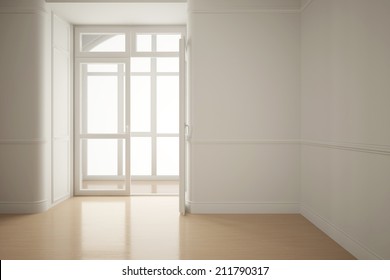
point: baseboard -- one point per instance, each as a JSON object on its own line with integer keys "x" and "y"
{"x": 242, "y": 208}
{"x": 22, "y": 207}
{"x": 338, "y": 235}
{"x": 60, "y": 199}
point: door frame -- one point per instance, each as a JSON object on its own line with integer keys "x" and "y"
{"x": 124, "y": 57}
{"x": 79, "y": 116}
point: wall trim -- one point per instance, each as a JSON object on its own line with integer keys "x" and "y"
{"x": 244, "y": 141}
{"x": 23, "y": 11}
{"x": 23, "y": 207}
{"x": 343, "y": 239}
{"x": 243, "y": 207}
{"x": 357, "y": 147}
{"x": 116, "y": 1}
{"x": 37, "y": 141}
{"x": 248, "y": 6}
{"x": 246, "y": 11}
{"x": 60, "y": 199}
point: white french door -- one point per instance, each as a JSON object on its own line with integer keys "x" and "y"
{"x": 155, "y": 118}
{"x": 129, "y": 109}
{"x": 102, "y": 136}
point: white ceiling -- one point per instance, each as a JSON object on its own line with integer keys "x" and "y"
{"x": 155, "y": 12}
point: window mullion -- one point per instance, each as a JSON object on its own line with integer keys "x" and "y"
{"x": 153, "y": 111}
{"x": 120, "y": 116}
{"x": 84, "y": 113}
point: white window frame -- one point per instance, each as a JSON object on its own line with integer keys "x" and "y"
{"x": 80, "y": 115}
{"x": 102, "y": 30}
{"x": 153, "y": 75}
{"x": 124, "y": 57}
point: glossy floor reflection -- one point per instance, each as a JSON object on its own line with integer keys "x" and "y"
{"x": 151, "y": 228}
{"x": 103, "y": 185}
{"x": 154, "y": 188}
{"x": 136, "y": 187}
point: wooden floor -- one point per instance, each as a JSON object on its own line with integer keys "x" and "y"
{"x": 151, "y": 228}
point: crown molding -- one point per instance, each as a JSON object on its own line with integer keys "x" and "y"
{"x": 33, "y": 141}
{"x": 243, "y": 6}
{"x": 117, "y": 1}
{"x": 22, "y": 6}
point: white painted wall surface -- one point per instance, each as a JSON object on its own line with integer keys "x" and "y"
{"x": 61, "y": 110}
{"x": 345, "y": 122}
{"x": 24, "y": 107}
{"x": 244, "y": 90}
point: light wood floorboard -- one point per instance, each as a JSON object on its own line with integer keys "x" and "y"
{"x": 151, "y": 228}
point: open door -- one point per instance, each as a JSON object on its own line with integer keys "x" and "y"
{"x": 182, "y": 184}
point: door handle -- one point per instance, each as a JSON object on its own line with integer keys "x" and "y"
{"x": 187, "y": 132}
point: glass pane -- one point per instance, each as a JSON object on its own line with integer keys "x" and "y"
{"x": 102, "y": 157}
{"x": 168, "y": 43}
{"x": 168, "y": 104}
{"x": 168, "y": 64}
{"x": 141, "y": 156}
{"x": 103, "y": 42}
{"x": 102, "y": 104}
{"x": 140, "y": 103}
{"x": 167, "y": 156}
{"x": 104, "y": 67}
{"x": 140, "y": 64}
{"x": 144, "y": 43}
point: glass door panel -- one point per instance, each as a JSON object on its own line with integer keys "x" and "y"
{"x": 140, "y": 94}
{"x": 101, "y": 157}
{"x": 168, "y": 104}
{"x": 155, "y": 117}
{"x": 167, "y": 156}
{"x": 141, "y": 156}
{"x": 102, "y": 134}
{"x": 128, "y": 111}
{"x": 167, "y": 65}
{"x": 102, "y": 104}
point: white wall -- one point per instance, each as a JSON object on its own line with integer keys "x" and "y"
{"x": 244, "y": 91}
{"x": 35, "y": 163}
{"x": 345, "y": 122}
{"x": 24, "y": 107}
{"x": 61, "y": 110}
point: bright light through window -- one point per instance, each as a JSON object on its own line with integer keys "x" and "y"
{"x": 127, "y": 99}
{"x": 141, "y": 156}
{"x": 168, "y": 43}
{"x": 140, "y": 104}
{"x": 144, "y": 43}
{"x": 168, "y": 156}
{"x": 102, "y": 157}
{"x": 102, "y": 108}
{"x": 168, "y": 104}
{"x": 103, "y": 42}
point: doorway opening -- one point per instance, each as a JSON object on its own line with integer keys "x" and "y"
{"x": 129, "y": 111}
